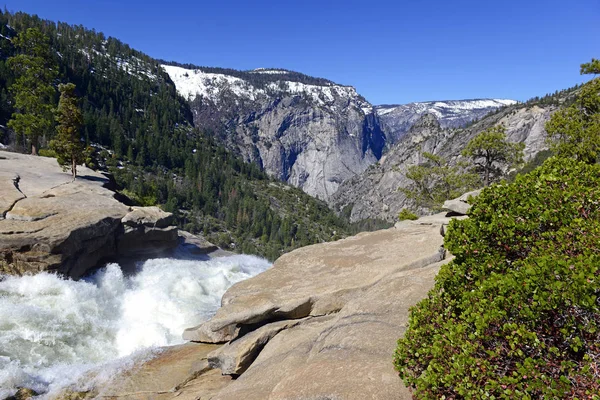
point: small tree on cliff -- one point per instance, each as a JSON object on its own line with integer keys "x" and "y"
{"x": 435, "y": 181}
{"x": 68, "y": 145}
{"x": 490, "y": 151}
{"x": 33, "y": 91}
{"x": 575, "y": 131}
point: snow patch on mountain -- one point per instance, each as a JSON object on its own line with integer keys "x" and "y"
{"x": 191, "y": 83}
{"x": 445, "y": 107}
{"x": 451, "y": 113}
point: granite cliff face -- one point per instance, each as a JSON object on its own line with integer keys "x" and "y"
{"x": 374, "y": 193}
{"x": 398, "y": 119}
{"x": 309, "y": 132}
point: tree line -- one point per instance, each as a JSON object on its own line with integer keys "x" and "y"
{"x": 118, "y": 110}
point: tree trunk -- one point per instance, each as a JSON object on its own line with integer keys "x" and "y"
{"x": 34, "y": 149}
{"x": 73, "y": 168}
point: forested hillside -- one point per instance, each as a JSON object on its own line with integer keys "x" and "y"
{"x": 143, "y": 132}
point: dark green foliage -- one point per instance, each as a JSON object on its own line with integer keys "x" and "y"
{"x": 516, "y": 315}
{"x": 491, "y": 153}
{"x": 407, "y": 215}
{"x": 435, "y": 181}
{"x": 32, "y": 90}
{"x": 575, "y": 131}
{"x": 128, "y": 101}
{"x": 530, "y": 165}
{"x": 68, "y": 145}
{"x": 593, "y": 67}
{"x": 230, "y": 201}
{"x": 143, "y": 132}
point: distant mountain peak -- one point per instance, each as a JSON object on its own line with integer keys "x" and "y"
{"x": 398, "y": 118}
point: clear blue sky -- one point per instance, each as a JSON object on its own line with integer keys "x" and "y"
{"x": 391, "y": 51}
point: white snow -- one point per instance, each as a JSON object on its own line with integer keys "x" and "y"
{"x": 446, "y": 107}
{"x": 192, "y": 83}
{"x": 268, "y": 71}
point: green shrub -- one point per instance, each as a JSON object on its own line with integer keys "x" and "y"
{"x": 47, "y": 153}
{"x": 516, "y": 315}
{"x": 406, "y": 214}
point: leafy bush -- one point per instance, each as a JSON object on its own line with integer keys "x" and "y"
{"x": 517, "y": 313}
{"x": 47, "y": 153}
{"x": 406, "y": 214}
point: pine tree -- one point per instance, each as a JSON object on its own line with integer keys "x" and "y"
{"x": 575, "y": 131}
{"x": 68, "y": 145}
{"x": 33, "y": 91}
{"x": 490, "y": 151}
{"x": 435, "y": 181}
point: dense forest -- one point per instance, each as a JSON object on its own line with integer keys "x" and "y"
{"x": 142, "y": 132}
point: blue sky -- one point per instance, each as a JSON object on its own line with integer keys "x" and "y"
{"x": 391, "y": 51}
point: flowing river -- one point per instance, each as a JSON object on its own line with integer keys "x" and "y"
{"x": 53, "y": 331}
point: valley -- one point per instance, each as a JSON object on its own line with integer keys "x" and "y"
{"x": 203, "y": 232}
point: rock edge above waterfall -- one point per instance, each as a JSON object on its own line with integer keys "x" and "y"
{"x": 321, "y": 323}
{"x": 48, "y": 222}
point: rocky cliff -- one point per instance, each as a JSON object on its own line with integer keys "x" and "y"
{"x": 50, "y": 223}
{"x": 306, "y": 131}
{"x": 398, "y": 119}
{"x": 374, "y": 193}
{"x": 322, "y": 323}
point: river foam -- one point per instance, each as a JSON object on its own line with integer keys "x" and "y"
{"x": 54, "y": 330}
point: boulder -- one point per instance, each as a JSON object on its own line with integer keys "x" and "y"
{"x": 146, "y": 230}
{"x": 52, "y": 223}
{"x": 460, "y": 205}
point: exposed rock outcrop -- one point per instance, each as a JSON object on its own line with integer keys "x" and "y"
{"x": 375, "y": 194}
{"x": 322, "y": 323}
{"x": 51, "y": 223}
{"x": 398, "y": 119}
{"x": 309, "y": 132}
{"x": 461, "y": 205}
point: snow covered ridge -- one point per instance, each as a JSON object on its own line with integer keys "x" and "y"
{"x": 445, "y": 108}
{"x": 191, "y": 83}
{"x": 269, "y": 71}
{"x": 133, "y": 65}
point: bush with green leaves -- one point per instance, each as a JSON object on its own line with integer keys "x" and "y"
{"x": 516, "y": 314}
{"x": 407, "y": 215}
{"x": 574, "y": 131}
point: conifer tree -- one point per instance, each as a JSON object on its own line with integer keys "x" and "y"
{"x": 575, "y": 131}
{"x": 435, "y": 180}
{"x": 33, "y": 91}
{"x": 68, "y": 145}
{"x": 490, "y": 151}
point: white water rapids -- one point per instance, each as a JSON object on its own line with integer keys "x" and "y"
{"x": 53, "y": 330}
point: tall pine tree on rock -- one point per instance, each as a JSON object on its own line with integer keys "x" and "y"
{"x": 68, "y": 145}
{"x": 490, "y": 151}
{"x": 34, "y": 95}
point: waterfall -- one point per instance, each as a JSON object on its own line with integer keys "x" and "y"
{"x": 54, "y": 330}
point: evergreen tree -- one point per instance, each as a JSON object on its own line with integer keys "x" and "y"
{"x": 33, "y": 91}
{"x": 490, "y": 151}
{"x": 435, "y": 181}
{"x": 575, "y": 131}
{"x": 68, "y": 145}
